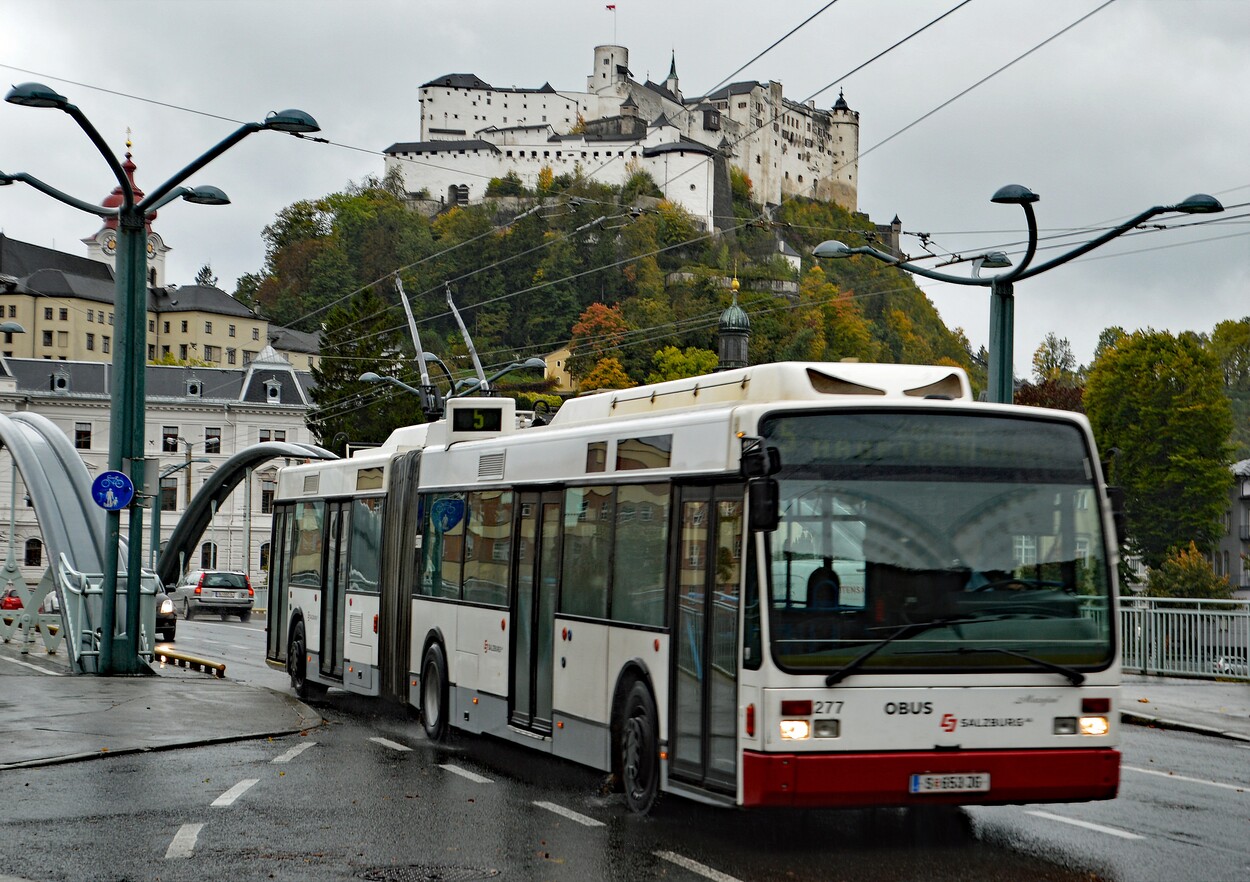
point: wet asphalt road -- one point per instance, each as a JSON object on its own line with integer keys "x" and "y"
{"x": 367, "y": 797}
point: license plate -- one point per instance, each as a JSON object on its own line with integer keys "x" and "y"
{"x": 228, "y": 595}
{"x": 966, "y": 782}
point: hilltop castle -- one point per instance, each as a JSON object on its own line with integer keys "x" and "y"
{"x": 472, "y": 131}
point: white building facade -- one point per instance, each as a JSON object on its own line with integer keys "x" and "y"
{"x": 192, "y": 414}
{"x": 472, "y": 131}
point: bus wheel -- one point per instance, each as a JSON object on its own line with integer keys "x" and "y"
{"x": 640, "y": 755}
{"x": 296, "y": 662}
{"x": 434, "y": 693}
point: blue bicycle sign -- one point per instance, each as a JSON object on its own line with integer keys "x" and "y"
{"x": 112, "y": 491}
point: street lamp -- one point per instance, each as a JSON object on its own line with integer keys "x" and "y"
{"x": 1002, "y": 300}
{"x": 371, "y": 377}
{"x": 488, "y": 385}
{"x": 120, "y": 655}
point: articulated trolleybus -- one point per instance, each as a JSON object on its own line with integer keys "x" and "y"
{"x": 786, "y": 585}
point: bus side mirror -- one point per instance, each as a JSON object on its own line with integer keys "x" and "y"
{"x": 763, "y": 497}
{"x": 760, "y": 462}
{"x": 1115, "y": 495}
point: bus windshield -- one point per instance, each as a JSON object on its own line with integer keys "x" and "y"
{"x": 939, "y": 542}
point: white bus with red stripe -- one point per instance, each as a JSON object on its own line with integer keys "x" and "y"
{"x": 797, "y": 584}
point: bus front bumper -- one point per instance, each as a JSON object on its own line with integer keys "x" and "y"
{"x": 883, "y": 779}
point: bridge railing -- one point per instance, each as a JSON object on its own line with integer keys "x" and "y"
{"x": 83, "y": 611}
{"x": 1186, "y": 637}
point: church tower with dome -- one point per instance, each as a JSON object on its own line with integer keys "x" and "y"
{"x": 733, "y": 334}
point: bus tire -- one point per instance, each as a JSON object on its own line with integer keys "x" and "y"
{"x": 434, "y": 708}
{"x": 297, "y": 663}
{"x": 639, "y": 750}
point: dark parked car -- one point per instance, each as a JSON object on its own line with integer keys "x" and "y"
{"x": 214, "y": 591}
{"x": 166, "y": 614}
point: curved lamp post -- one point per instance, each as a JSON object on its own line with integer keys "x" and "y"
{"x": 120, "y": 654}
{"x": 371, "y": 377}
{"x": 1002, "y": 300}
{"x": 473, "y": 384}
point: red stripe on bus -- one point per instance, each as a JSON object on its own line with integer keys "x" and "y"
{"x": 855, "y": 779}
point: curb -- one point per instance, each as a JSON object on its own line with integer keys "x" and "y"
{"x": 167, "y": 656}
{"x": 1136, "y": 719}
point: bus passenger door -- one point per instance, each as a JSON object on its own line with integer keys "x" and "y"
{"x": 534, "y": 605}
{"x": 705, "y": 637}
{"x": 334, "y": 591}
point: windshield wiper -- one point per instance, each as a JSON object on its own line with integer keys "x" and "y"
{"x": 1074, "y": 676}
{"x": 909, "y": 630}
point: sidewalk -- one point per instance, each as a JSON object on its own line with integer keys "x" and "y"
{"x": 48, "y": 716}
{"x": 1209, "y": 707}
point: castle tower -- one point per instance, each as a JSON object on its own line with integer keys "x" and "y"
{"x": 733, "y": 334}
{"x": 842, "y": 186}
{"x": 611, "y": 69}
{"x": 102, "y": 245}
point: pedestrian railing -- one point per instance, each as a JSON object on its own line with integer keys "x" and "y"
{"x": 1186, "y": 637}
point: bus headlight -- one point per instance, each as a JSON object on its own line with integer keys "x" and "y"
{"x": 795, "y": 730}
{"x": 1094, "y": 726}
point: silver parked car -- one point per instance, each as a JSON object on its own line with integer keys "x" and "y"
{"x": 214, "y": 591}
{"x": 1233, "y": 665}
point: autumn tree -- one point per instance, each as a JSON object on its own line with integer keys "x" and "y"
{"x": 599, "y": 330}
{"x": 1158, "y": 401}
{"x": 1053, "y": 361}
{"x": 606, "y": 374}
{"x": 1186, "y": 572}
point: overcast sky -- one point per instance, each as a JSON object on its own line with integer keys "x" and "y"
{"x": 1141, "y": 104}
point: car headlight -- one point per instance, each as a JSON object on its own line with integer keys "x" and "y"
{"x": 167, "y": 607}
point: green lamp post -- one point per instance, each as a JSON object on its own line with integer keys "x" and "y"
{"x": 1002, "y": 299}
{"x": 119, "y": 654}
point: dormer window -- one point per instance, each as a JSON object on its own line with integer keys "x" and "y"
{"x": 195, "y": 389}
{"x": 60, "y": 381}
{"x": 273, "y": 391}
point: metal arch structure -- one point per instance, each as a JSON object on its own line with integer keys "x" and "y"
{"x": 60, "y": 489}
{"x": 199, "y": 514}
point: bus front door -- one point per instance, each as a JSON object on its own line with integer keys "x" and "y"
{"x": 534, "y": 606}
{"x": 334, "y": 595}
{"x": 705, "y": 639}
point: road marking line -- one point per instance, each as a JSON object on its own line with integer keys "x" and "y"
{"x": 293, "y": 752}
{"x": 465, "y": 773}
{"x": 1088, "y": 825}
{"x": 236, "y": 791}
{"x": 695, "y": 867}
{"x": 584, "y": 820}
{"x": 1239, "y": 788}
{"x": 36, "y": 667}
{"x": 393, "y": 745}
{"x": 183, "y": 845}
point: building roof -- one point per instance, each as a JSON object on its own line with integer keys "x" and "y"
{"x": 459, "y": 81}
{"x": 684, "y": 145}
{"x": 19, "y": 259}
{"x": 743, "y": 88}
{"x": 196, "y": 298}
{"x": 473, "y": 81}
{"x": 661, "y": 90}
{"x": 291, "y": 340}
{"x": 1242, "y": 469}
{"x": 59, "y": 283}
{"x": 218, "y": 386}
{"x": 438, "y": 146}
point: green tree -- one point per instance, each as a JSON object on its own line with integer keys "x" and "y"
{"x": 1186, "y": 572}
{"x": 671, "y": 363}
{"x": 509, "y": 185}
{"x": 205, "y": 277}
{"x": 1158, "y": 401}
{"x": 359, "y": 337}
